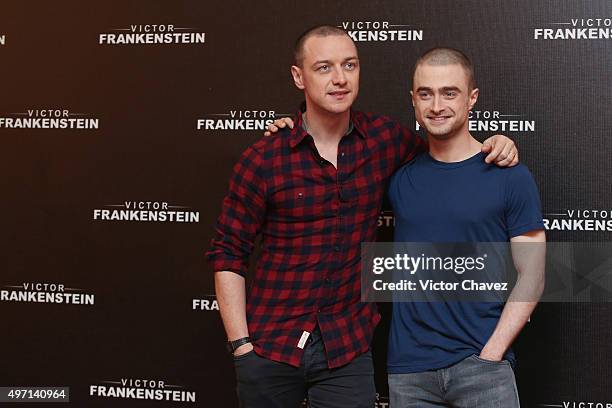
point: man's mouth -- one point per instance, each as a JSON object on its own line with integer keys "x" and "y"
{"x": 340, "y": 94}
{"x": 438, "y": 119}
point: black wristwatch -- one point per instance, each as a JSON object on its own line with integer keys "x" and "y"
{"x": 233, "y": 345}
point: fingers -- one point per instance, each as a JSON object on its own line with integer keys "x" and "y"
{"x": 503, "y": 152}
{"x": 486, "y": 146}
{"x": 277, "y": 125}
{"x": 508, "y": 148}
{"x": 501, "y": 148}
{"x": 507, "y": 160}
{"x": 271, "y": 129}
{"x": 515, "y": 161}
{"x": 511, "y": 160}
{"x": 495, "y": 150}
{"x": 280, "y": 123}
{"x": 505, "y": 157}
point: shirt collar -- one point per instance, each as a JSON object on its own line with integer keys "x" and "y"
{"x": 299, "y": 132}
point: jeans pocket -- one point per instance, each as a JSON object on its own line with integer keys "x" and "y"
{"x": 483, "y": 361}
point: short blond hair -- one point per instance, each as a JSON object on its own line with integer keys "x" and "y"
{"x": 319, "y": 31}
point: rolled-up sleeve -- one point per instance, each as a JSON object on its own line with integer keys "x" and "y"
{"x": 242, "y": 215}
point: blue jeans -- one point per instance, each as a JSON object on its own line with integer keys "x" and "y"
{"x": 471, "y": 383}
{"x": 263, "y": 383}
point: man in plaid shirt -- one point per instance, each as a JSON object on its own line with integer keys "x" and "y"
{"x": 314, "y": 194}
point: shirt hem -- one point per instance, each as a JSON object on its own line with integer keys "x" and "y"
{"x": 407, "y": 369}
{"x": 536, "y": 226}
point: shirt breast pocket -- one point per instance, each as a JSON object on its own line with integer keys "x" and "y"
{"x": 300, "y": 204}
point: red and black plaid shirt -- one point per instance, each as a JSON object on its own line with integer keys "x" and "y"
{"x": 313, "y": 219}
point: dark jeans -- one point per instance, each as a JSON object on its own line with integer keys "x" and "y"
{"x": 264, "y": 383}
{"x": 471, "y": 383}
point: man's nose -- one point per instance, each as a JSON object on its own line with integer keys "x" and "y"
{"x": 437, "y": 105}
{"x": 338, "y": 77}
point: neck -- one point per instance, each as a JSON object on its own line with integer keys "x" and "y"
{"x": 325, "y": 126}
{"x": 455, "y": 148}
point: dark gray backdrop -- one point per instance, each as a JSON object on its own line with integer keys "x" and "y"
{"x": 148, "y": 98}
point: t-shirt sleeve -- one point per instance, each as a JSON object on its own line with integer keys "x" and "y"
{"x": 523, "y": 207}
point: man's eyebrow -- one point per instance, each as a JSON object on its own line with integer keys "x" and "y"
{"x": 450, "y": 88}
{"x": 329, "y": 62}
{"x": 443, "y": 89}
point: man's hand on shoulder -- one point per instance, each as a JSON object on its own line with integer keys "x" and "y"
{"x": 501, "y": 150}
{"x": 278, "y": 124}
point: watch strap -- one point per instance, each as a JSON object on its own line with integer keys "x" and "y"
{"x": 234, "y": 344}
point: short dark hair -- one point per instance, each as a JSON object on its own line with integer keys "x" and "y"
{"x": 447, "y": 56}
{"x": 319, "y": 31}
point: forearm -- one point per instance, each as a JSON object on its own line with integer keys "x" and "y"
{"x": 529, "y": 256}
{"x": 231, "y": 297}
{"x": 510, "y": 324}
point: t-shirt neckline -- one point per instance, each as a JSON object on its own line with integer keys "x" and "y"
{"x": 453, "y": 165}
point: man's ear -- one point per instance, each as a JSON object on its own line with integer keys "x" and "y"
{"x": 412, "y": 98}
{"x": 473, "y": 97}
{"x": 296, "y": 72}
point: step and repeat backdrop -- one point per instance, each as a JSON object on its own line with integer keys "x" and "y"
{"x": 121, "y": 120}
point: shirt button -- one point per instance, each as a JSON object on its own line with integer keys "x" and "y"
{"x": 342, "y": 154}
{"x": 336, "y": 248}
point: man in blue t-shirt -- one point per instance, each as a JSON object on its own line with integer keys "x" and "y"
{"x": 458, "y": 353}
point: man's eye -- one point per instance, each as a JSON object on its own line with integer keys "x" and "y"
{"x": 350, "y": 66}
{"x": 423, "y": 95}
{"x": 323, "y": 68}
{"x": 451, "y": 94}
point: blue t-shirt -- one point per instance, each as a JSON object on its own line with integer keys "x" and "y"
{"x": 467, "y": 201}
